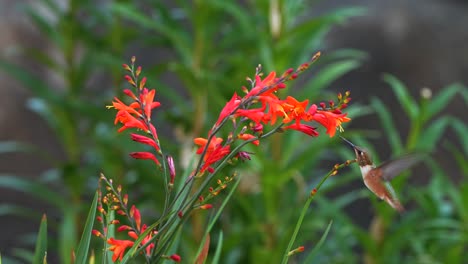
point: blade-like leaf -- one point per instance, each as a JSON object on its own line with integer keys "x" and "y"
{"x": 441, "y": 100}
{"x": 33, "y": 188}
{"x": 217, "y": 215}
{"x": 312, "y": 254}
{"x": 461, "y": 128}
{"x": 178, "y": 38}
{"x": 13, "y": 146}
{"x": 17, "y": 210}
{"x": 31, "y": 82}
{"x": 431, "y": 135}
{"x": 83, "y": 246}
{"x": 388, "y": 125}
{"x": 40, "y": 253}
{"x": 67, "y": 235}
{"x": 327, "y": 75}
{"x": 219, "y": 247}
{"x": 401, "y": 91}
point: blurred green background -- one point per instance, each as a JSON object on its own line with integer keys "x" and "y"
{"x": 404, "y": 63}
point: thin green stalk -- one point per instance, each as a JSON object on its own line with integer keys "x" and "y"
{"x": 333, "y": 171}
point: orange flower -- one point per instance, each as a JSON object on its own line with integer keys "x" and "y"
{"x": 131, "y": 116}
{"x": 135, "y": 214}
{"x": 214, "y": 151}
{"x": 146, "y": 99}
{"x": 262, "y": 87}
{"x": 330, "y": 120}
{"x": 294, "y": 109}
{"x": 215, "y": 141}
{"x": 119, "y": 247}
{"x": 129, "y": 121}
{"x": 256, "y": 115}
{"x": 247, "y": 137}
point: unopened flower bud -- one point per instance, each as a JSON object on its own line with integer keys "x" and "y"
{"x": 172, "y": 171}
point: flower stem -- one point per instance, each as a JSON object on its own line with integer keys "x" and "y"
{"x": 333, "y": 171}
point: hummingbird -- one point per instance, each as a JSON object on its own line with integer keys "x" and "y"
{"x": 377, "y": 178}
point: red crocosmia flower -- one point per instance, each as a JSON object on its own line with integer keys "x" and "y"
{"x": 311, "y": 112}
{"x": 175, "y": 257}
{"x": 275, "y": 109}
{"x": 330, "y": 120}
{"x": 215, "y": 141}
{"x": 256, "y": 115}
{"x": 123, "y": 228}
{"x": 229, "y": 108}
{"x": 262, "y": 86}
{"x": 145, "y": 155}
{"x": 295, "y": 110}
{"x": 214, "y": 152}
{"x": 134, "y": 235}
{"x": 135, "y": 214}
{"x": 121, "y": 106}
{"x": 249, "y": 136}
{"x": 309, "y": 130}
{"x": 129, "y": 121}
{"x": 146, "y": 99}
{"x": 130, "y": 94}
{"x": 145, "y": 140}
{"x": 206, "y": 206}
{"x": 119, "y": 247}
{"x": 217, "y": 154}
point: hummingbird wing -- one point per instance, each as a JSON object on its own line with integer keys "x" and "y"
{"x": 394, "y": 167}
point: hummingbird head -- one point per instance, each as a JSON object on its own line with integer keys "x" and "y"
{"x": 362, "y": 156}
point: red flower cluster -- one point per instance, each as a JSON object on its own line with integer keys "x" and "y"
{"x": 119, "y": 246}
{"x": 138, "y": 113}
{"x": 113, "y": 200}
{"x": 262, "y": 106}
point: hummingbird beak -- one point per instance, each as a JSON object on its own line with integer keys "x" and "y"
{"x": 347, "y": 141}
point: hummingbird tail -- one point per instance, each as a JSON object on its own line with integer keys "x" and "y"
{"x": 396, "y": 205}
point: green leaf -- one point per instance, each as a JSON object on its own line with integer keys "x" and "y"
{"x": 432, "y": 134}
{"x": 13, "y": 146}
{"x": 401, "y": 91}
{"x": 40, "y": 253}
{"x": 67, "y": 235}
{"x": 441, "y": 100}
{"x": 178, "y": 37}
{"x": 461, "y": 128}
{"x": 388, "y": 126}
{"x": 83, "y": 246}
{"x": 216, "y": 216}
{"x": 235, "y": 10}
{"x": 31, "y": 82}
{"x": 327, "y": 75}
{"x": 18, "y": 210}
{"x": 33, "y": 188}
{"x": 47, "y": 29}
{"x": 313, "y": 253}
{"x": 311, "y": 32}
{"x": 219, "y": 247}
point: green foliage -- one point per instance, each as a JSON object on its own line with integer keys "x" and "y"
{"x": 40, "y": 254}
{"x": 434, "y": 230}
{"x": 213, "y": 45}
{"x": 83, "y": 245}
